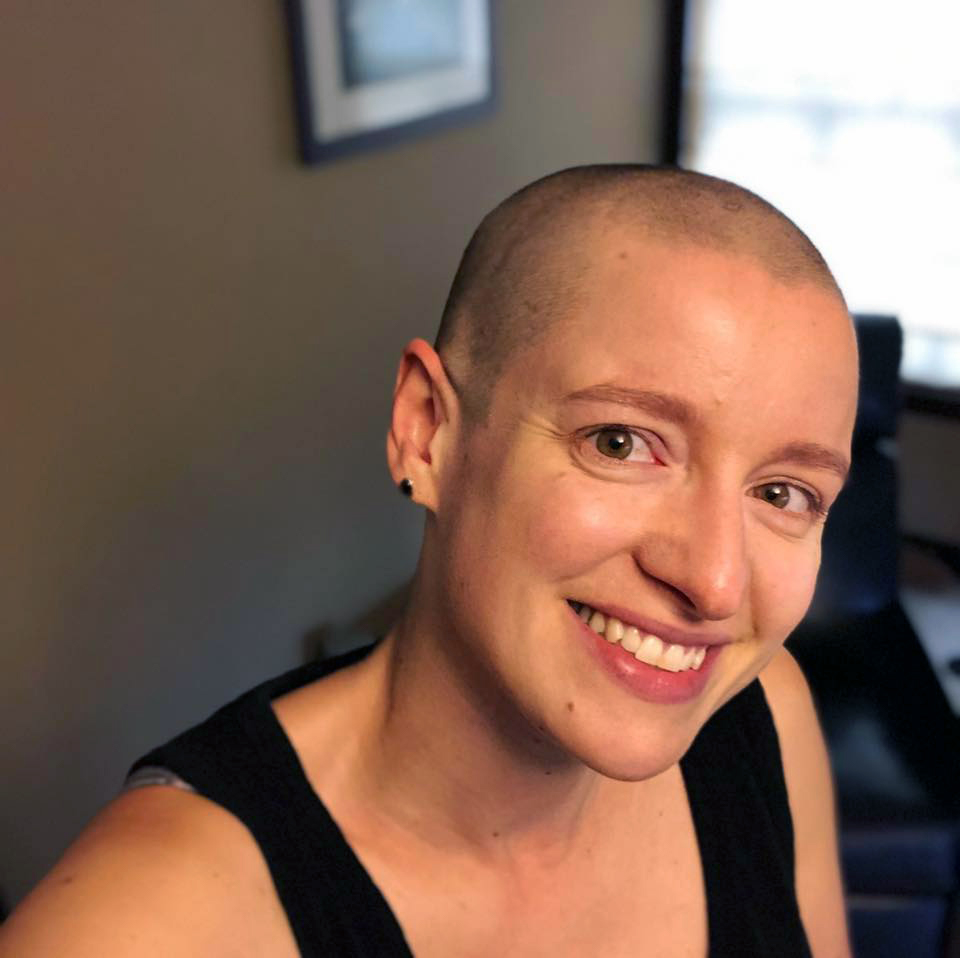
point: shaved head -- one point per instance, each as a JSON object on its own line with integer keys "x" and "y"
{"x": 529, "y": 259}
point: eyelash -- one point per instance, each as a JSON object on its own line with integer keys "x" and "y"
{"x": 593, "y": 431}
{"x": 817, "y": 507}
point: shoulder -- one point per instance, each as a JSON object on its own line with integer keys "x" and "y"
{"x": 158, "y": 871}
{"x": 806, "y": 765}
{"x": 806, "y": 769}
{"x": 791, "y": 704}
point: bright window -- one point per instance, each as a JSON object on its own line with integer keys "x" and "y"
{"x": 846, "y": 115}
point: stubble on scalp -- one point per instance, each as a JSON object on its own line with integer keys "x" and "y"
{"x": 528, "y": 262}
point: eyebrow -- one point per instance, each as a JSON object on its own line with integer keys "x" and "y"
{"x": 676, "y": 410}
{"x": 814, "y": 455}
{"x": 662, "y": 405}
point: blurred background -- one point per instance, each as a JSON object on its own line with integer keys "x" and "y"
{"x": 200, "y": 332}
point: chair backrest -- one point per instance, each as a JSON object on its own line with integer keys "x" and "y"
{"x": 858, "y": 573}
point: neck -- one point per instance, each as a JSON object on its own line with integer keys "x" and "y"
{"x": 448, "y": 757}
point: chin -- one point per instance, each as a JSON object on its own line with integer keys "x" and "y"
{"x": 636, "y": 770}
{"x": 644, "y": 756}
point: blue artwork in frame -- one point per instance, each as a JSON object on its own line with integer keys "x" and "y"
{"x": 371, "y": 72}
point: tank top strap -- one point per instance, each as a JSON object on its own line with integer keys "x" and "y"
{"x": 240, "y": 758}
{"x": 738, "y": 799}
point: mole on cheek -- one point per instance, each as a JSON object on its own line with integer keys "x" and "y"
{"x": 569, "y": 706}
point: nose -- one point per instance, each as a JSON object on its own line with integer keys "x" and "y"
{"x": 698, "y": 553}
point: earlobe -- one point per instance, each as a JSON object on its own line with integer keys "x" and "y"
{"x": 424, "y": 405}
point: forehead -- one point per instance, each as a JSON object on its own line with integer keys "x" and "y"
{"x": 716, "y": 329}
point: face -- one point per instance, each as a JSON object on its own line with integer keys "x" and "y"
{"x": 664, "y": 457}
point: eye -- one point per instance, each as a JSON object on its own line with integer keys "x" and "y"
{"x": 616, "y": 442}
{"x": 788, "y": 497}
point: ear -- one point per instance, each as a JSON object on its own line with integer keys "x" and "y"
{"x": 425, "y": 416}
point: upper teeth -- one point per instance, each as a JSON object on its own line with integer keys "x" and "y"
{"x": 646, "y": 648}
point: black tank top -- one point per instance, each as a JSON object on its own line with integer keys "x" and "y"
{"x": 241, "y": 759}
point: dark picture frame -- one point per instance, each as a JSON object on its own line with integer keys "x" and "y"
{"x": 369, "y": 73}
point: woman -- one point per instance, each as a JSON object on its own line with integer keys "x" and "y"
{"x": 583, "y": 736}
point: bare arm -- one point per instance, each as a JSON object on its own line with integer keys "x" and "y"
{"x": 158, "y": 872}
{"x": 810, "y": 789}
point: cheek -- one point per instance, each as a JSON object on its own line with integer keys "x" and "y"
{"x": 784, "y": 581}
{"x": 570, "y": 525}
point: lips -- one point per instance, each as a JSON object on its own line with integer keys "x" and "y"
{"x": 647, "y": 626}
{"x": 643, "y": 646}
{"x": 680, "y": 669}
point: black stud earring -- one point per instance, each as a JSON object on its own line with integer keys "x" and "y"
{"x": 406, "y": 487}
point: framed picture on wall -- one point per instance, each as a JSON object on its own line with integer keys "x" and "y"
{"x": 370, "y": 72}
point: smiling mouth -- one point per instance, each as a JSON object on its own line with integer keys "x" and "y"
{"x": 650, "y": 649}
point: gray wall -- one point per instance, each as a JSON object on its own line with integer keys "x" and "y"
{"x": 199, "y": 342}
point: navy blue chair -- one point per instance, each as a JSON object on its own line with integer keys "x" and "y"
{"x": 894, "y": 742}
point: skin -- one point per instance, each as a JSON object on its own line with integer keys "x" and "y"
{"x": 477, "y": 759}
{"x": 528, "y": 515}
